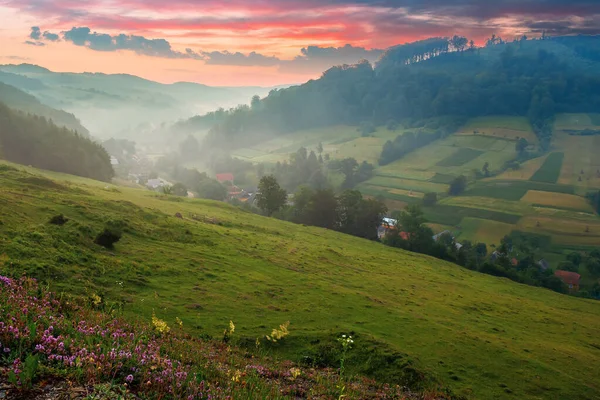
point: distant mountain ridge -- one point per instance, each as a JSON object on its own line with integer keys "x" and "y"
{"x": 22, "y": 101}
{"x": 117, "y": 104}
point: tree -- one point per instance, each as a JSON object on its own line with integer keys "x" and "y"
{"x": 167, "y": 190}
{"x": 108, "y": 237}
{"x": 189, "y": 148}
{"x": 179, "y": 189}
{"x": 320, "y": 148}
{"x": 430, "y": 199}
{"x": 521, "y": 145}
{"x": 366, "y": 128}
{"x": 568, "y": 266}
{"x": 392, "y": 125}
{"x": 458, "y": 185}
{"x": 575, "y": 258}
{"x": 255, "y": 102}
{"x": 212, "y": 190}
{"x": 486, "y": 169}
{"x": 270, "y": 197}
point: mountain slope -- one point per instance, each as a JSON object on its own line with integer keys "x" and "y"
{"x": 19, "y": 100}
{"x": 426, "y": 82}
{"x": 118, "y": 104}
{"x": 484, "y": 337}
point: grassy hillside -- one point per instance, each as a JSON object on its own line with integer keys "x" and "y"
{"x": 483, "y": 337}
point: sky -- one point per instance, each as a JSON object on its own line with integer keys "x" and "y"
{"x": 258, "y": 42}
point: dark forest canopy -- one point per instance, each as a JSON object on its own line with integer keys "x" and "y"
{"x": 429, "y": 79}
{"x": 19, "y": 100}
{"x": 33, "y": 140}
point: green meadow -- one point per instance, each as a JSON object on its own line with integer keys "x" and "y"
{"x": 412, "y": 316}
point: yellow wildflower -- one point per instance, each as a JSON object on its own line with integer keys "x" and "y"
{"x": 280, "y": 333}
{"x": 231, "y": 327}
{"x": 295, "y": 372}
{"x": 160, "y": 325}
{"x": 179, "y": 322}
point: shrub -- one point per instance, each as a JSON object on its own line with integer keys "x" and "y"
{"x": 58, "y": 220}
{"x": 108, "y": 237}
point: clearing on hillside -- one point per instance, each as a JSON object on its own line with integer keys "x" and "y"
{"x": 557, "y": 200}
{"x": 511, "y": 128}
{"x": 475, "y": 333}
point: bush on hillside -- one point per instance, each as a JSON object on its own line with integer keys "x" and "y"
{"x": 108, "y": 237}
{"x": 58, "y": 220}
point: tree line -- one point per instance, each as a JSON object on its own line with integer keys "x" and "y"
{"x": 33, "y": 140}
{"x": 348, "y": 212}
{"x": 517, "y": 257}
{"x": 422, "y": 81}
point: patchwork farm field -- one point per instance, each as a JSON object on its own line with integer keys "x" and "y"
{"x": 528, "y": 168}
{"x": 549, "y": 172}
{"x": 338, "y": 142}
{"x": 484, "y": 231}
{"x": 581, "y": 165}
{"x": 558, "y": 200}
{"x": 511, "y": 128}
{"x": 225, "y": 264}
{"x": 559, "y": 229}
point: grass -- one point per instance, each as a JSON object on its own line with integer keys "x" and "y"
{"x": 406, "y": 184}
{"x": 512, "y": 128}
{"x": 340, "y": 141}
{"x": 225, "y": 264}
{"x": 484, "y": 231}
{"x": 514, "y": 190}
{"x": 453, "y": 215}
{"x": 581, "y": 166}
{"x": 561, "y": 226}
{"x": 460, "y": 157}
{"x": 489, "y": 203}
{"x": 528, "y": 168}
{"x": 549, "y": 172}
{"x": 558, "y": 200}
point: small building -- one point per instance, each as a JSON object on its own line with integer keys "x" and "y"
{"x": 113, "y": 160}
{"x": 543, "y": 264}
{"x": 225, "y": 177}
{"x": 439, "y": 235}
{"x": 154, "y": 184}
{"x": 571, "y": 279}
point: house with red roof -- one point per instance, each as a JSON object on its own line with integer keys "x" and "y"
{"x": 571, "y": 279}
{"x": 226, "y": 177}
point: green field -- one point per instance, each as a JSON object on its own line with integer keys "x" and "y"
{"x": 460, "y": 157}
{"x": 338, "y": 141}
{"x": 512, "y": 128}
{"x": 484, "y": 231}
{"x": 483, "y": 337}
{"x": 514, "y": 190}
{"x": 549, "y": 172}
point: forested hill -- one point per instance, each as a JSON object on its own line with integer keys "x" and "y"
{"x": 432, "y": 79}
{"x": 34, "y": 140}
{"x": 19, "y": 100}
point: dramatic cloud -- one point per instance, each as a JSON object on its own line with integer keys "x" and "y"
{"x": 276, "y": 34}
{"x": 312, "y": 58}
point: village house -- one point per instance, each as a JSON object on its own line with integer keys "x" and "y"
{"x": 571, "y": 279}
